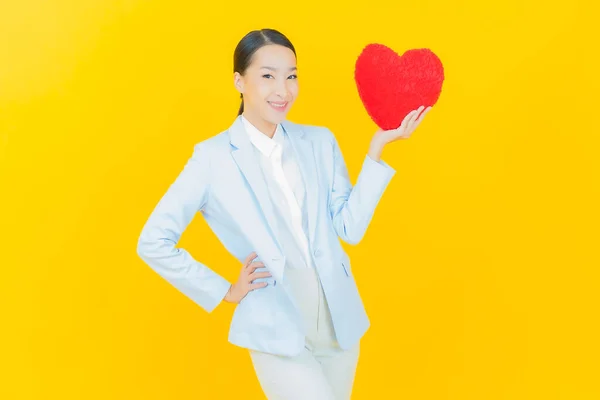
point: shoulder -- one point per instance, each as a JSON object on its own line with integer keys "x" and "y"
{"x": 210, "y": 145}
{"x": 315, "y": 133}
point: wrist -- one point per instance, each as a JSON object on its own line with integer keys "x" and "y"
{"x": 227, "y": 297}
{"x": 375, "y": 150}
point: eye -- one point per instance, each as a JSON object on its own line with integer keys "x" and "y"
{"x": 267, "y": 76}
{"x": 293, "y": 77}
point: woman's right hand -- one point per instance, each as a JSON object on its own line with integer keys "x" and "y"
{"x": 245, "y": 284}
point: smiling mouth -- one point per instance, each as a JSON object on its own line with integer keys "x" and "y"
{"x": 278, "y": 106}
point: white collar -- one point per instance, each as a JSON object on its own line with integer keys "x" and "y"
{"x": 263, "y": 143}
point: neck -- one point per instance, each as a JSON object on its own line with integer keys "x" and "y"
{"x": 265, "y": 127}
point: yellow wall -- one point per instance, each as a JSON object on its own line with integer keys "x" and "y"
{"x": 478, "y": 270}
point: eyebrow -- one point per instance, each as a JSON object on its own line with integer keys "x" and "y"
{"x": 275, "y": 69}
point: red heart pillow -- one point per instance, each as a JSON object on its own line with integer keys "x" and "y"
{"x": 390, "y": 86}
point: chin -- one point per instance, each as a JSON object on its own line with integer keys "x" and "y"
{"x": 275, "y": 119}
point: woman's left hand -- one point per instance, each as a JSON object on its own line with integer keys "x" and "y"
{"x": 408, "y": 126}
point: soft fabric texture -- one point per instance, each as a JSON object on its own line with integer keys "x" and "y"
{"x": 390, "y": 86}
{"x": 223, "y": 182}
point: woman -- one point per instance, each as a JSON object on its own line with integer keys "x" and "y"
{"x": 278, "y": 196}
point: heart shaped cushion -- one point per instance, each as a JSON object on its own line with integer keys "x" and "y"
{"x": 390, "y": 86}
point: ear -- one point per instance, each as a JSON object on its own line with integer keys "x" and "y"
{"x": 238, "y": 82}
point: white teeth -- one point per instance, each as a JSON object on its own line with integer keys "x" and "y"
{"x": 278, "y": 105}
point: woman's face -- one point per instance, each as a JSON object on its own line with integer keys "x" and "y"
{"x": 269, "y": 86}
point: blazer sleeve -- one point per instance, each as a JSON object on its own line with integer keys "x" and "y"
{"x": 159, "y": 237}
{"x": 352, "y": 207}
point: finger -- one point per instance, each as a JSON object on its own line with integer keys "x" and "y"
{"x": 259, "y": 285}
{"x": 253, "y": 266}
{"x": 412, "y": 124}
{"x": 258, "y": 275}
{"x": 249, "y": 259}
{"x": 404, "y": 128}
{"x": 418, "y": 112}
{"x": 423, "y": 114}
{"x": 405, "y": 121}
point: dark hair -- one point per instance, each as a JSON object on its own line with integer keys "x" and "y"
{"x": 254, "y": 40}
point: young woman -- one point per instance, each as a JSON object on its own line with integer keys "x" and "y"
{"x": 278, "y": 196}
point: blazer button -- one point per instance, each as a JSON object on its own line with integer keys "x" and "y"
{"x": 318, "y": 253}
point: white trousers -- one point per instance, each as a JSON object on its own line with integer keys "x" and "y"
{"x": 323, "y": 371}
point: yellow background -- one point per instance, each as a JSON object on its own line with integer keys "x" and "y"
{"x": 479, "y": 270}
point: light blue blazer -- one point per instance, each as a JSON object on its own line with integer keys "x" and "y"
{"x": 222, "y": 180}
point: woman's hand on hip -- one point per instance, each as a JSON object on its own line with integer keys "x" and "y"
{"x": 245, "y": 282}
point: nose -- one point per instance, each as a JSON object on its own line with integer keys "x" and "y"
{"x": 282, "y": 91}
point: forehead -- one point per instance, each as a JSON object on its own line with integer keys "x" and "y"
{"x": 275, "y": 56}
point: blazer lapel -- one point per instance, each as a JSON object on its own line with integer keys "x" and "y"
{"x": 305, "y": 156}
{"x": 245, "y": 157}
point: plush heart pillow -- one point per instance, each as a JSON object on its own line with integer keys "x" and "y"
{"x": 390, "y": 86}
